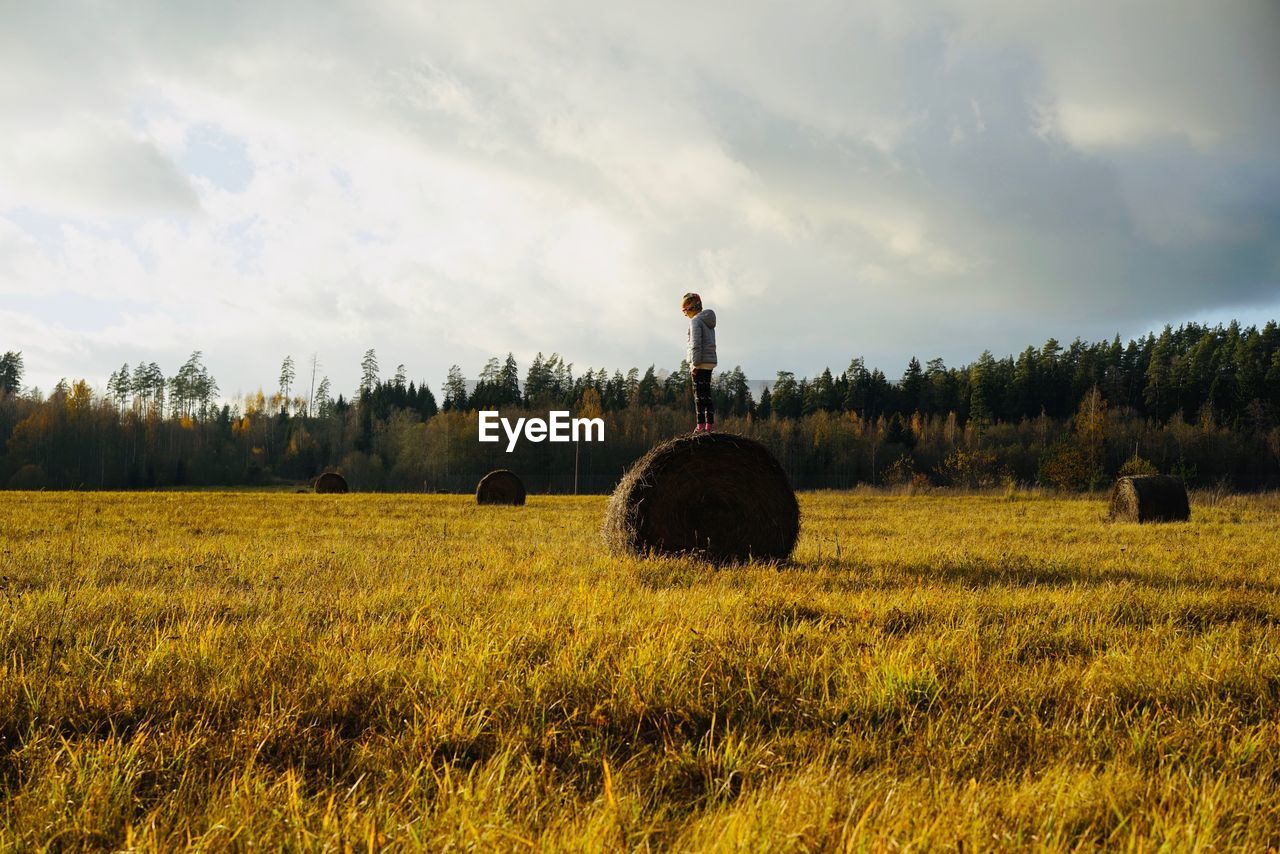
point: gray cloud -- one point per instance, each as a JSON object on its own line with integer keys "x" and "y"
{"x": 443, "y": 182}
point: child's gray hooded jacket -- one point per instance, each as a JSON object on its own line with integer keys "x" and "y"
{"x": 702, "y": 339}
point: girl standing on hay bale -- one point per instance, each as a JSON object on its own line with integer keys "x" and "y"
{"x": 702, "y": 358}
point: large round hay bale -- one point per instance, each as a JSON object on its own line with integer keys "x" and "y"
{"x": 715, "y": 495}
{"x": 1150, "y": 498}
{"x": 331, "y": 482}
{"x": 500, "y": 487}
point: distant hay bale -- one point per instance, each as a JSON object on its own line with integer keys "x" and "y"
{"x": 331, "y": 482}
{"x": 29, "y": 477}
{"x": 715, "y": 495}
{"x": 1150, "y": 498}
{"x": 500, "y": 487}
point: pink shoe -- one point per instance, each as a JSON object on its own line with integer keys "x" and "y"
{"x": 707, "y": 428}
{"x": 699, "y": 429}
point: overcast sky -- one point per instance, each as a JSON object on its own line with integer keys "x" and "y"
{"x": 448, "y": 181}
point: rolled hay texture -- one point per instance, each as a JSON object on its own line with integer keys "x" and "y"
{"x": 331, "y": 482}
{"x": 1152, "y": 498}
{"x": 714, "y": 495}
{"x": 500, "y": 487}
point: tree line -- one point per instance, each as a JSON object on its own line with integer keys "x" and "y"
{"x": 1200, "y": 401}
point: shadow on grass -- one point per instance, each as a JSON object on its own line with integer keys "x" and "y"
{"x": 1011, "y": 572}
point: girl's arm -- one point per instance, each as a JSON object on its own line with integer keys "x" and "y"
{"x": 695, "y": 330}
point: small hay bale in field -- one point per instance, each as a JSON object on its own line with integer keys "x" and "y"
{"x": 715, "y": 495}
{"x": 500, "y": 487}
{"x": 1150, "y": 498}
{"x": 331, "y": 482}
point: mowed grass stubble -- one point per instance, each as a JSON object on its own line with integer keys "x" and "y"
{"x": 307, "y": 670}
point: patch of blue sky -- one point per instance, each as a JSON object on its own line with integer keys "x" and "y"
{"x": 364, "y": 237}
{"x": 50, "y": 230}
{"x": 246, "y": 239}
{"x": 41, "y": 227}
{"x": 218, "y": 157}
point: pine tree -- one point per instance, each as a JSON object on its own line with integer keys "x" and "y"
{"x": 675, "y": 389}
{"x": 820, "y": 396}
{"x": 1156, "y": 392}
{"x": 981, "y": 391}
{"x": 737, "y": 392}
{"x": 287, "y": 376}
{"x": 1273, "y": 379}
{"x": 879, "y": 390}
{"x": 855, "y": 381}
{"x": 10, "y": 372}
{"x": 941, "y": 387}
{"x": 647, "y": 389}
{"x": 509, "y": 383}
{"x": 1024, "y": 393}
{"x": 787, "y": 401}
{"x": 118, "y": 387}
{"x": 455, "y": 390}
{"x": 368, "y": 371}
{"x": 426, "y": 402}
{"x": 1052, "y": 391}
{"x": 765, "y": 407}
{"x": 561, "y": 378}
{"x": 912, "y": 388}
{"x": 537, "y": 383}
{"x": 488, "y": 390}
{"x": 899, "y": 433}
{"x": 632, "y": 384}
{"x": 323, "y": 403}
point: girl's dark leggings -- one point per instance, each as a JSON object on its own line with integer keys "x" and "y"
{"x": 702, "y": 405}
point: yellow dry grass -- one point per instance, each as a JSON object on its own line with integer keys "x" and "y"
{"x": 359, "y": 671}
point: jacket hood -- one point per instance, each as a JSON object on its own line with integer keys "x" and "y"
{"x": 707, "y": 316}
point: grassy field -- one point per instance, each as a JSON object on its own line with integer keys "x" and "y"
{"x": 360, "y": 671}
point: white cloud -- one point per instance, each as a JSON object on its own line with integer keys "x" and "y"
{"x": 87, "y": 165}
